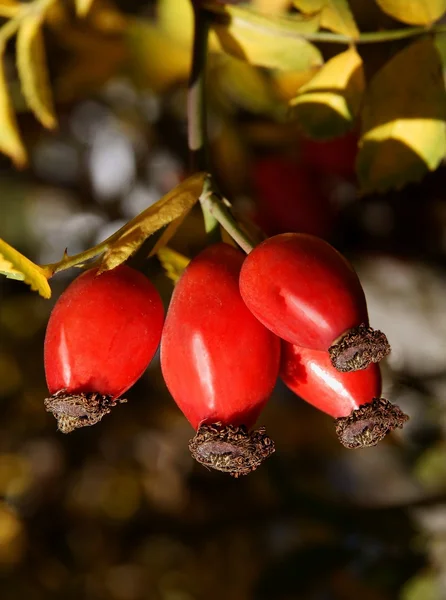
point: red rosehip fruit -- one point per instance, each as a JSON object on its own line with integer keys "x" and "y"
{"x": 332, "y": 157}
{"x": 101, "y": 336}
{"x": 289, "y": 198}
{"x": 363, "y": 418}
{"x": 219, "y": 362}
{"x": 306, "y": 292}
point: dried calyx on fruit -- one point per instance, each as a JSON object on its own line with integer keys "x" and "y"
{"x": 363, "y": 418}
{"x": 101, "y": 336}
{"x": 230, "y": 449}
{"x": 306, "y": 292}
{"x": 219, "y": 363}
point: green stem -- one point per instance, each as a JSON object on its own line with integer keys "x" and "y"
{"x": 196, "y": 107}
{"x": 218, "y": 207}
{"x": 71, "y": 261}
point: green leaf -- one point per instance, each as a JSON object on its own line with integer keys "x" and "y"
{"x": 83, "y": 7}
{"x": 172, "y": 262}
{"x": 16, "y": 266}
{"x": 403, "y": 120}
{"x": 334, "y": 15}
{"x": 268, "y": 41}
{"x": 171, "y": 207}
{"x": 32, "y": 68}
{"x": 10, "y": 141}
{"x": 414, "y": 12}
{"x": 327, "y": 105}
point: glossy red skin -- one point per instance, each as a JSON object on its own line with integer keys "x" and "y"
{"x": 310, "y": 375}
{"x": 103, "y": 332}
{"x": 218, "y": 361}
{"x": 303, "y": 290}
{"x": 289, "y": 198}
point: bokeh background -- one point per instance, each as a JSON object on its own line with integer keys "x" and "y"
{"x": 119, "y": 511}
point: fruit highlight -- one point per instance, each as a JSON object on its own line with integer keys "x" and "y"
{"x": 363, "y": 418}
{"x": 306, "y": 292}
{"x": 219, "y": 363}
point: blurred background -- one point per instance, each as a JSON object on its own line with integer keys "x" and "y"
{"x": 119, "y": 511}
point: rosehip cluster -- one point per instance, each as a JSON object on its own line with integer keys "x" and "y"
{"x": 221, "y": 342}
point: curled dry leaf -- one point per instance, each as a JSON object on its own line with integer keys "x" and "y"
{"x": 171, "y": 207}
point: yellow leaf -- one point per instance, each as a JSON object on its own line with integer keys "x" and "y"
{"x": 168, "y": 233}
{"x": 175, "y": 18}
{"x": 172, "y": 262}
{"x": 334, "y": 14}
{"x": 147, "y": 44}
{"x": 10, "y": 141}
{"x": 15, "y": 265}
{"x": 403, "y": 120}
{"x": 327, "y": 105}
{"x": 9, "y": 8}
{"x": 32, "y": 68}
{"x": 414, "y": 12}
{"x": 288, "y": 83}
{"x": 268, "y": 41}
{"x": 243, "y": 85}
{"x": 176, "y": 21}
{"x": 83, "y": 7}
{"x": 172, "y": 206}
{"x": 271, "y": 7}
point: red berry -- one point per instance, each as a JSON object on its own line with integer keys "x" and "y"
{"x": 307, "y": 293}
{"x": 289, "y": 198}
{"x": 219, "y": 363}
{"x": 333, "y": 157}
{"x": 101, "y": 336}
{"x": 363, "y": 418}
